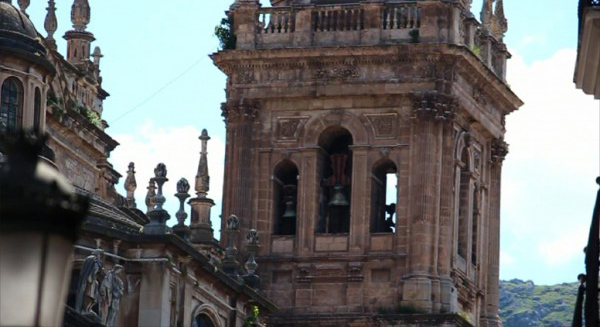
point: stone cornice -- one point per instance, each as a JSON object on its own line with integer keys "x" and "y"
{"x": 465, "y": 63}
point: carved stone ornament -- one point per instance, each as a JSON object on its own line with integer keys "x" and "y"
{"x": 239, "y": 111}
{"x": 183, "y": 186}
{"x": 244, "y": 76}
{"x": 383, "y": 125}
{"x": 336, "y": 73}
{"x": 252, "y": 237}
{"x": 499, "y": 151}
{"x": 479, "y": 97}
{"x": 434, "y": 106}
{"x": 233, "y": 223}
{"x": 288, "y": 128}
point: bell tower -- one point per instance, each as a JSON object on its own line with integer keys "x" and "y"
{"x": 365, "y": 145}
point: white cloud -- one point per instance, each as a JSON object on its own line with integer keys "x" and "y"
{"x": 548, "y": 188}
{"x": 564, "y": 248}
{"x": 506, "y": 258}
{"x": 179, "y": 149}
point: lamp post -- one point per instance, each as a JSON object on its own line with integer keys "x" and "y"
{"x": 39, "y": 218}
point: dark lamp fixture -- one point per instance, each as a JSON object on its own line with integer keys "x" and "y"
{"x": 40, "y": 214}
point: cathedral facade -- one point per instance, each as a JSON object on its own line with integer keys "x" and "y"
{"x": 365, "y": 145}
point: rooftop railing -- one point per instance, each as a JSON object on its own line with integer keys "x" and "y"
{"x": 367, "y": 24}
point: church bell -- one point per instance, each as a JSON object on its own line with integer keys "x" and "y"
{"x": 290, "y": 203}
{"x": 338, "y": 198}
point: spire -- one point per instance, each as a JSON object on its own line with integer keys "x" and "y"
{"x": 80, "y": 15}
{"x": 202, "y": 178}
{"x": 130, "y": 185}
{"x": 487, "y": 14}
{"x": 23, "y": 4}
{"x": 500, "y": 24}
{"x": 51, "y": 24}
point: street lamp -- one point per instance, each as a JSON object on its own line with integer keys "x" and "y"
{"x": 39, "y": 217}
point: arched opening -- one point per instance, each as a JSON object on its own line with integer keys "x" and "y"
{"x": 384, "y": 194}
{"x": 285, "y": 190}
{"x": 11, "y": 105}
{"x": 203, "y": 320}
{"x": 37, "y": 110}
{"x": 335, "y": 176}
{"x": 463, "y": 203}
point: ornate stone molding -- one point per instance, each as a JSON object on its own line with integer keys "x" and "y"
{"x": 244, "y": 110}
{"x": 434, "y": 106}
{"x": 336, "y": 73}
{"x": 499, "y": 151}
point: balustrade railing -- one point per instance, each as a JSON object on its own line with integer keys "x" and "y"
{"x": 337, "y": 19}
{"x": 276, "y": 20}
{"x": 401, "y": 17}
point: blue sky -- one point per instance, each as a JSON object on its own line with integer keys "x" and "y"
{"x": 156, "y": 55}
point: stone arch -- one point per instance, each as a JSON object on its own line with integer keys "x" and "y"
{"x": 208, "y": 311}
{"x": 313, "y": 128}
{"x": 461, "y": 143}
{"x": 380, "y": 222}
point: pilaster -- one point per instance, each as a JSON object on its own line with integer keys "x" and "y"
{"x": 154, "y": 306}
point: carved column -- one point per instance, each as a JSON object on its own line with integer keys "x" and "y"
{"x": 499, "y": 149}
{"x": 359, "y": 219}
{"x": 239, "y": 176}
{"x": 308, "y": 199}
{"x": 431, "y": 111}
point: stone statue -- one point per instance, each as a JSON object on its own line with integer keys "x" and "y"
{"x": 113, "y": 291}
{"x": 87, "y": 290}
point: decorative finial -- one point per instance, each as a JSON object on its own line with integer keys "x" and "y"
{"x": 233, "y": 223}
{"x": 97, "y": 54}
{"x": 160, "y": 177}
{"x": 251, "y": 278}
{"x": 230, "y": 264}
{"x": 183, "y": 187}
{"x": 51, "y": 24}
{"x": 80, "y": 15}
{"x": 487, "y": 13}
{"x": 500, "y": 24}
{"x": 23, "y": 4}
{"x": 130, "y": 185}
{"x": 202, "y": 178}
{"x": 150, "y": 195}
{"x": 158, "y": 216}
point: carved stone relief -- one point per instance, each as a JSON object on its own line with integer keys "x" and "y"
{"x": 336, "y": 73}
{"x": 384, "y": 126}
{"x": 288, "y": 128}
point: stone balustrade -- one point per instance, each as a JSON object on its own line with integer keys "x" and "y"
{"x": 366, "y": 24}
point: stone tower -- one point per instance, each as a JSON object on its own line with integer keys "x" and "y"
{"x": 365, "y": 145}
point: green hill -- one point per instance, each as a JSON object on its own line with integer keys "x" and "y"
{"x": 524, "y": 304}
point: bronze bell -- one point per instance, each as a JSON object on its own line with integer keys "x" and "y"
{"x": 290, "y": 201}
{"x": 339, "y": 198}
{"x": 290, "y": 210}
